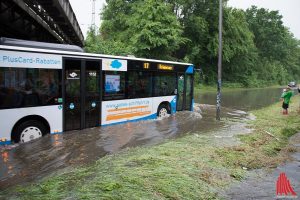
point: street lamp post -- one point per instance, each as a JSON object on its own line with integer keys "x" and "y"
{"x": 220, "y": 61}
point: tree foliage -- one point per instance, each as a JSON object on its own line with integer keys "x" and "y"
{"x": 277, "y": 48}
{"x": 95, "y": 43}
{"x": 148, "y": 28}
{"x": 258, "y": 49}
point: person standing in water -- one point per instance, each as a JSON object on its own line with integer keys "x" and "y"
{"x": 286, "y": 97}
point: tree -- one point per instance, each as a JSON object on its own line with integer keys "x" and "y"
{"x": 95, "y": 43}
{"x": 239, "y": 50}
{"x": 270, "y": 33}
{"x": 150, "y": 27}
{"x": 200, "y": 21}
{"x": 277, "y": 48}
{"x": 258, "y": 49}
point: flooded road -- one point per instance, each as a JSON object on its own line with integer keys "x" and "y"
{"x": 33, "y": 161}
{"x": 242, "y": 99}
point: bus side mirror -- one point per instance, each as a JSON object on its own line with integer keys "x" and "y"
{"x": 175, "y": 91}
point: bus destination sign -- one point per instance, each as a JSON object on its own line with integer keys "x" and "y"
{"x": 165, "y": 67}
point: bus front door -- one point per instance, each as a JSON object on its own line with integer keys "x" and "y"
{"x": 184, "y": 91}
{"x": 180, "y": 92}
{"x": 188, "y": 91}
{"x": 81, "y": 94}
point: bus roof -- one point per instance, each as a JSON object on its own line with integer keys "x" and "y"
{"x": 35, "y": 44}
{"x": 84, "y": 55}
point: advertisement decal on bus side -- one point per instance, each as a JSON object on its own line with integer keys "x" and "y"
{"x": 28, "y": 60}
{"x": 134, "y": 109}
{"x": 114, "y": 65}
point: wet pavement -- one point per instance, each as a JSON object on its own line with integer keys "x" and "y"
{"x": 261, "y": 184}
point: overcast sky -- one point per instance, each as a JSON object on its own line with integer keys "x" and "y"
{"x": 289, "y": 9}
{"x": 83, "y": 12}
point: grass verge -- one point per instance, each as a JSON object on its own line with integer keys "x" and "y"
{"x": 185, "y": 168}
{"x": 267, "y": 145}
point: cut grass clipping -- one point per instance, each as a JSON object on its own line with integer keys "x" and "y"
{"x": 186, "y": 168}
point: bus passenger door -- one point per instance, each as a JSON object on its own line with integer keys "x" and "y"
{"x": 184, "y": 91}
{"x": 92, "y": 93}
{"x": 72, "y": 94}
{"x": 188, "y": 91}
{"x": 180, "y": 91}
{"x": 81, "y": 93}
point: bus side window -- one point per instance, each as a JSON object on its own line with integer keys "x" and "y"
{"x": 23, "y": 87}
{"x": 165, "y": 84}
{"x": 139, "y": 84}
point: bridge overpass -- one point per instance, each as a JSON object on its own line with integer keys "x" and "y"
{"x": 40, "y": 20}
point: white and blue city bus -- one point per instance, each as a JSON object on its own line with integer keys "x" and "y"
{"x": 50, "y": 88}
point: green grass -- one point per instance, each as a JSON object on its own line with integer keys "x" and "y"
{"x": 266, "y": 146}
{"x": 186, "y": 168}
{"x": 178, "y": 169}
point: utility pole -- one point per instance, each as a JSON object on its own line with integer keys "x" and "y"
{"x": 93, "y": 15}
{"x": 218, "y": 117}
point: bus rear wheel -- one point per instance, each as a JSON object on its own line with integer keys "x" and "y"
{"x": 29, "y": 130}
{"x": 163, "y": 111}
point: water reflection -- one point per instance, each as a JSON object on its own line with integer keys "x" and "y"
{"x": 56, "y": 140}
{"x": 4, "y": 156}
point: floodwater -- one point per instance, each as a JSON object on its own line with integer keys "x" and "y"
{"x": 32, "y": 161}
{"x": 242, "y": 99}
